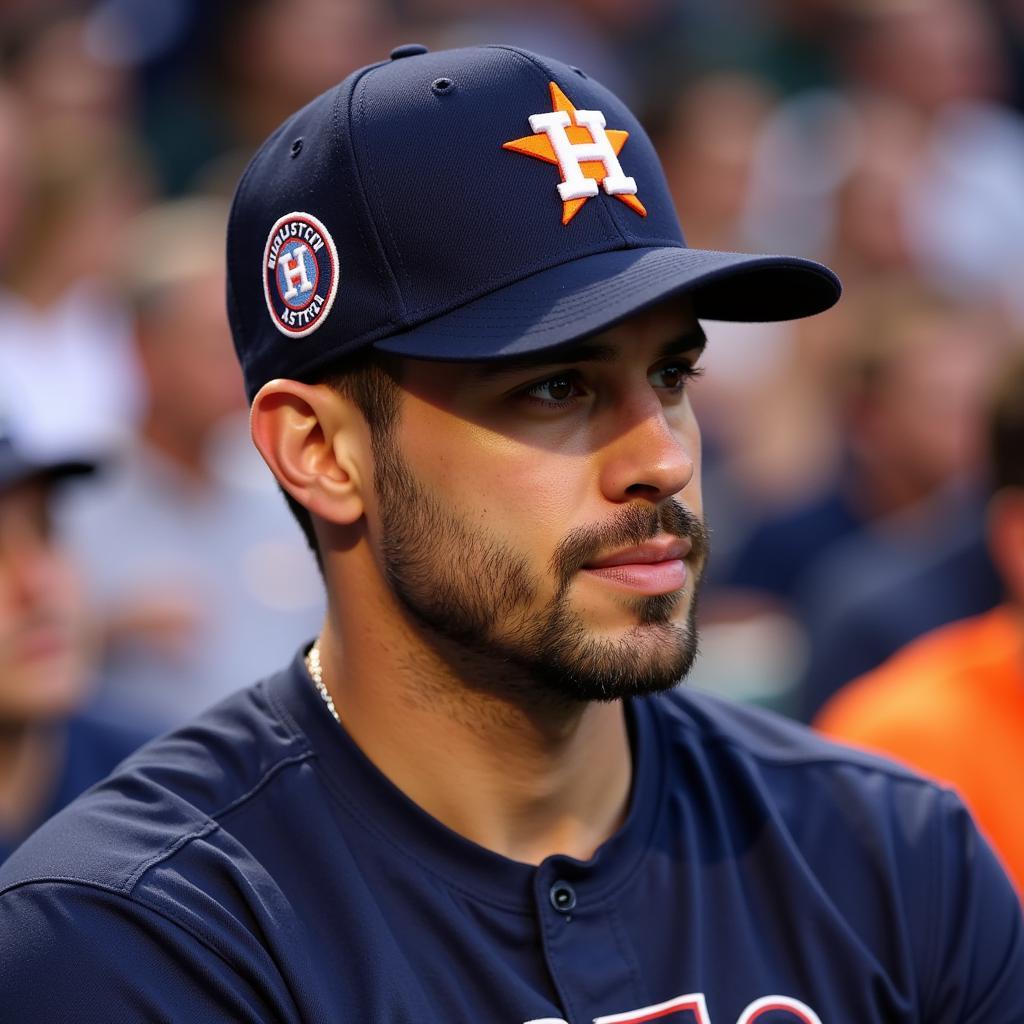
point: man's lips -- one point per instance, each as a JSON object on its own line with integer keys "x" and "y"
{"x": 655, "y": 567}
{"x": 652, "y": 551}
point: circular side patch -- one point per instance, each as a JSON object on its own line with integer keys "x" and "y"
{"x": 300, "y": 274}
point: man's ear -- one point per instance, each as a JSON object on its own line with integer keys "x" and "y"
{"x": 313, "y": 440}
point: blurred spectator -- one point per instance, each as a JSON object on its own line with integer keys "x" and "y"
{"x": 707, "y": 145}
{"x": 952, "y": 703}
{"x": 927, "y": 53}
{"x": 911, "y": 391}
{"x": 191, "y": 557}
{"x": 251, "y": 64}
{"x": 910, "y": 385}
{"x": 923, "y": 126}
{"x": 65, "y": 350}
{"x": 49, "y": 750}
{"x": 874, "y": 592}
{"x": 924, "y": 563}
{"x": 14, "y": 182}
{"x": 279, "y": 54}
{"x": 871, "y": 234}
{"x": 66, "y": 372}
{"x": 74, "y": 97}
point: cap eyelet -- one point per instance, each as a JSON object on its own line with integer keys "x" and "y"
{"x": 296, "y": 148}
{"x": 441, "y": 86}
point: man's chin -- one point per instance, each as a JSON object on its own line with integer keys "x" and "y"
{"x": 601, "y": 647}
{"x": 646, "y": 659}
{"x": 620, "y": 618}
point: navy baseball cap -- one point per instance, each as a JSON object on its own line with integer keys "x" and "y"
{"x": 468, "y": 205}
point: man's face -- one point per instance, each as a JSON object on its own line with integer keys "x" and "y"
{"x": 41, "y": 674}
{"x": 547, "y": 512}
{"x": 185, "y": 350}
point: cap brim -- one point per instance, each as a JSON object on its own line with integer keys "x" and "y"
{"x": 577, "y": 299}
{"x": 16, "y": 470}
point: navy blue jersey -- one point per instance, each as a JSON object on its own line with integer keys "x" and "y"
{"x": 255, "y": 866}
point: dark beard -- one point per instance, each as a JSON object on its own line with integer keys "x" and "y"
{"x": 468, "y": 587}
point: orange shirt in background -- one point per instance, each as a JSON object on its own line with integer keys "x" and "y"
{"x": 951, "y": 705}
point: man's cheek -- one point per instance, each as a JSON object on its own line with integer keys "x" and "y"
{"x": 536, "y": 504}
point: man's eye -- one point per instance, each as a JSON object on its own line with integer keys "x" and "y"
{"x": 555, "y": 389}
{"x": 674, "y": 376}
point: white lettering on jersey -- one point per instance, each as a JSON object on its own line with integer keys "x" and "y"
{"x": 693, "y": 1002}
{"x": 696, "y": 1005}
{"x": 801, "y": 1011}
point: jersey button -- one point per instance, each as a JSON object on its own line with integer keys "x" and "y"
{"x": 563, "y": 897}
{"x": 408, "y": 50}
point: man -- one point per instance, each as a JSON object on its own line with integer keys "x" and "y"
{"x": 952, "y": 703}
{"x": 468, "y": 323}
{"x": 49, "y": 751}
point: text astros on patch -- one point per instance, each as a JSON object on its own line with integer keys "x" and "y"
{"x": 300, "y": 273}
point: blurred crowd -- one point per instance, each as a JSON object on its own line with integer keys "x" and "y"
{"x": 847, "y": 458}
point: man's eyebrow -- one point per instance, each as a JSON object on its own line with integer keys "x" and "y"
{"x": 691, "y": 340}
{"x": 585, "y": 352}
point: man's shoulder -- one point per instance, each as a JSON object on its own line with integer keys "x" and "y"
{"x": 791, "y": 761}
{"x": 867, "y": 828}
{"x": 172, "y": 790}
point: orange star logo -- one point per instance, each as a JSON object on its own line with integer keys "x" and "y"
{"x": 586, "y": 152}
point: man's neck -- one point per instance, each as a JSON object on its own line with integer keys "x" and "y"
{"x": 523, "y": 779}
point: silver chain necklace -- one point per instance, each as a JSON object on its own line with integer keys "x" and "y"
{"x": 316, "y": 673}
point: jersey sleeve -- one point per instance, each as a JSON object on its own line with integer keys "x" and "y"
{"x": 977, "y": 963}
{"x": 72, "y": 951}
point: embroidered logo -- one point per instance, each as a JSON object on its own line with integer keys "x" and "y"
{"x": 300, "y": 274}
{"x": 585, "y": 151}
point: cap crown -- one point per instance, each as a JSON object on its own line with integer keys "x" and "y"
{"x": 405, "y": 166}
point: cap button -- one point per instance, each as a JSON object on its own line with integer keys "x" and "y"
{"x": 562, "y": 896}
{"x": 408, "y": 50}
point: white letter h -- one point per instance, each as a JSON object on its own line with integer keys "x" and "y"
{"x": 294, "y": 264}
{"x": 570, "y": 155}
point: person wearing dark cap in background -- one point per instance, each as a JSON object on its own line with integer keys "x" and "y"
{"x": 50, "y": 752}
{"x": 467, "y": 321}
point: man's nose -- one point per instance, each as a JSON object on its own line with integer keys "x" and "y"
{"x": 650, "y": 457}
